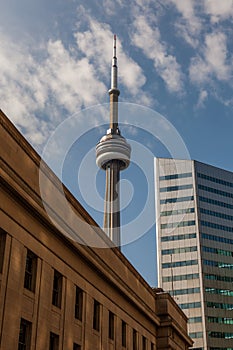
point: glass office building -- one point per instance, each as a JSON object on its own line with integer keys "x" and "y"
{"x": 194, "y": 224}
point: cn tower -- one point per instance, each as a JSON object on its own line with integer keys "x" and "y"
{"x": 113, "y": 155}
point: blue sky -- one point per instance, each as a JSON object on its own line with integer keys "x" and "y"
{"x": 175, "y": 57}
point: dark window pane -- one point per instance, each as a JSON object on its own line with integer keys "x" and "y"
{"x": 111, "y": 325}
{"x": 96, "y": 315}
{"x": 135, "y": 340}
{"x": 24, "y": 335}
{"x": 54, "y": 341}
{"x": 30, "y": 271}
{"x": 143, "y": 343}
{"x": 57, "y": 289}
{"x": 78, "y": 303}
{"x": 2, "y": 248}
{"x": 123, "y": 331}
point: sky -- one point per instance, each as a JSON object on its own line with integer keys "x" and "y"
{"x": 175, "y": 62}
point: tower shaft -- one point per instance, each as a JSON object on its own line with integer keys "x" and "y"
{"x": 113, "y": 111}
{"x": 112, "y": 202}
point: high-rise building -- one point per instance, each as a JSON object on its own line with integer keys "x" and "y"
{"x": 194, "y": 223}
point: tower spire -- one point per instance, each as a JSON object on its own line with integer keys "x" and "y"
{"x": 113, "y": 155}
{"x": 114, "y": 65}
{"x": 114, "y": 92}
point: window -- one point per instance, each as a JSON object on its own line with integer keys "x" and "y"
{"x": 195, "y": 319}
{"x": 176, "y": 200}
{"x": 219, "y": 264}
{"x": 176, "y": 188}
{"x": 190, "y": 305}
{"x": 30, "y": 271}
{"x": 219, "y": 305}
{"x": 76, "y": 347}
{"x": 185, "y": 291}
{"x": 111, "y": 325}
{"x": 179, "y": 250}
{"x": 178, "y": 237}
{"x": 217, "y": 238}
{"x": 214, "y": 190}
{"x": 144, "y": 347}
{"x": 220, "y": 348}
{"x": 215, "y": 202}
{"x": 24, "y": 335}
{"x": 135, "y": 340}
{"x": 57, "y": 289}
{"x": 196, "y": 335}
{"x": 177, "y": 212}
{"x": 189, "y": 276}
{"x": 2, "y": 248}
{"x": 54, "y": 341}
{"x": 221, "y": 335}
{"x": 227, "y": 292}
{"x": 217, "y": 226}
{"x": 223, "y": 320}
{"x": 214, "y": 179}
{"x": 217, "y": 251}
{"x": 175, "y": 176}
{"x": 123, "y": 332}
{"x": 218, "y": 278}
{"x": 178, "y": 224}
{"x": 216, "y": 214}
{"x": 78, "y": 303}
{"x": 179, "y": 264}
{"x": 96, "y": 316}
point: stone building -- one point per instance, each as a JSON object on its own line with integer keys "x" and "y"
{"x": 56, "y": 293}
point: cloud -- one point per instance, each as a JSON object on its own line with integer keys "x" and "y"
{"x": 96, "y": 44}
{"x": 213, "y": 63}
{"x": 189, "y": 25}
{"x": 203, "y": 95}
{"x": 111, "y": 7}
{"x": 38, "y": 93}
{"x": 219, "y": 10}
{"x": 147, "y": 38}
{"x": 72, "y": 79}
{"x": 42, "y": 86}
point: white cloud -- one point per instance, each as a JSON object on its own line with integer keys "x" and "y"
{"x": 203, "y": 95}
{"x": 199, "y": 71}
{"x": 41, "y": 87}
{"x": 214, "y": 62}
{"x": 186, "y": 8}
{"x": 190, "y": 25}
{"x": 219, "y": 10}
{"x": 148, "y": 39}
{"x": 73, "y": 81}
{"x": 96, "y": 44}
{"x": 216, "y": 55}
{"x": 111, "y": 7}
{"x": 53, "y": 87}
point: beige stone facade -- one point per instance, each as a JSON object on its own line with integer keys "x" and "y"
{"x": 58, "y": 294}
